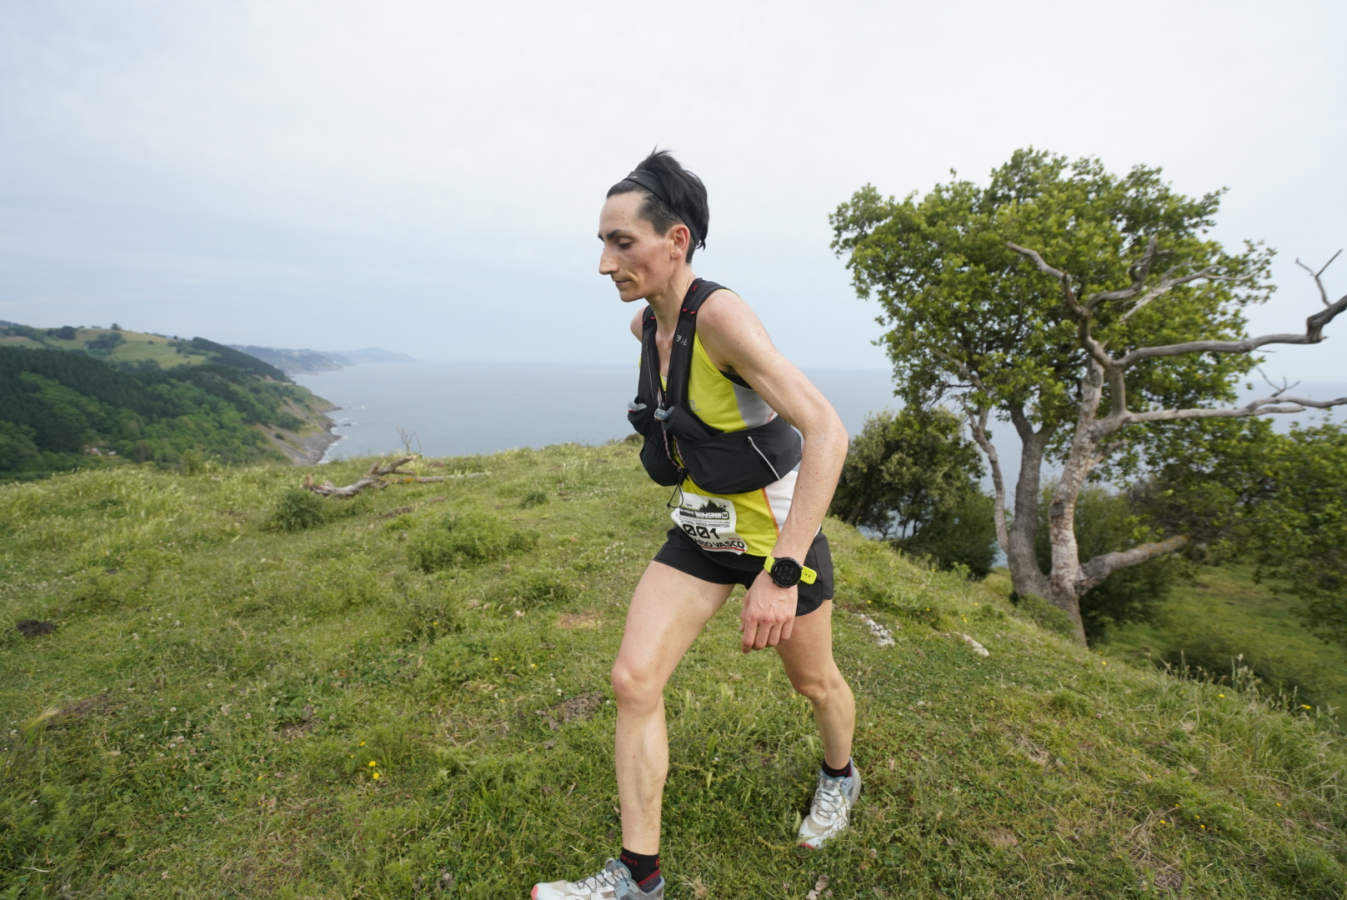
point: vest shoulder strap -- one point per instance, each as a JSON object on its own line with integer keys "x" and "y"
{"x": 680, "y": 354}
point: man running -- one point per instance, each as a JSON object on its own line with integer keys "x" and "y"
{"x": 715, "y": 404}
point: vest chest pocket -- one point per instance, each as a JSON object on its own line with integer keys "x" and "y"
{"x": 654, "y": 451}
{"x": 737, "y": 461}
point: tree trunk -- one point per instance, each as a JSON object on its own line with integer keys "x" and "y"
{"x": 1067, "y": 585}
{"x": 1025, "y": 574}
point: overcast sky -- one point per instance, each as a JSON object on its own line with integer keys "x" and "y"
{"x": 427, "y": 177}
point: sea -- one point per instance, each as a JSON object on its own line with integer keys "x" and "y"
{"x": 449, "y": 409}
{"x": 454, "y": 409}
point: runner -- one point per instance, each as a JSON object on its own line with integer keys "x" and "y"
{"x": 713, "y": 402}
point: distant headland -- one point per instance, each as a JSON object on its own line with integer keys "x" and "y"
{"x": 310, "y": 361}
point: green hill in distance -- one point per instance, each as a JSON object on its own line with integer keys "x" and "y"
{"x": 79, "y": 397}
{"x": 220, "y": 685}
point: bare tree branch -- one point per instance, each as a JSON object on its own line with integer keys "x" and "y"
{"x": 1314, "y": 327}
{"x": 1272, "y": 405}
{"x": 1062, "y": 277}
{"x": 1099, "y": 568}
{"x": 1166, "y": 285}
{"x": 1323, "y": 294}
{"x": 374, "y": 478}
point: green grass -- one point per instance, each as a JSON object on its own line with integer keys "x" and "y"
{"x": 203, "y": 720}
{"x": 1222, "y": 621}
{"x": 138, "y": 347}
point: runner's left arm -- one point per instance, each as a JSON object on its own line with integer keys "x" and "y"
{"x": 736, "y": 341}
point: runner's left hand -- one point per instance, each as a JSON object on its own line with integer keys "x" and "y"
{"x": 768, "y": 615}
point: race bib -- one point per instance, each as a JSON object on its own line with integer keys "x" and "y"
{"x": 710, "y": 521}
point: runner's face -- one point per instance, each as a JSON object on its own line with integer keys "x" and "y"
{"x": 639, "y": 261}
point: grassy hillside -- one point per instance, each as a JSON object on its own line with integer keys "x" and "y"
{"x": 408, "y": 698}
{"x": 1221, "y": 620}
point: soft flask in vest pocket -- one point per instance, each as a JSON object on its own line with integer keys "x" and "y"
{"x": 654, "y": 454}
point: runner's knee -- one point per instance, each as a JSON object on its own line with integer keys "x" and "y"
{"x": 819, "y": 685}
{"x": 634, "y": 686}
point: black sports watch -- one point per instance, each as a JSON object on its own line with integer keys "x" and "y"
{"x": 786, "y": 572}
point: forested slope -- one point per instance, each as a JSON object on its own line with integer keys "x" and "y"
{"x": 68, "y": 400}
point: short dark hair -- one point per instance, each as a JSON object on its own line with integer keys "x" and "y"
{"x": 672, "y": 194}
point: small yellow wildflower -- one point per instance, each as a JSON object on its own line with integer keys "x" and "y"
{"x": 376, "y": 776}
{"x": 1162, "y": 822}
{"x": 371, "y": 763}
{"x": 533, "y": 665}
{"x": 1220, "y": 696}
{"x": 1279, "y": 804}
{"x": 1306, "y": 706}
{"x": 362, "y": 743}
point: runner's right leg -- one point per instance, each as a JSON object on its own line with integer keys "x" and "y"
{"x": 668, "y": 610}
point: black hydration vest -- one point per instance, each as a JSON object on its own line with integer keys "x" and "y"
{"x": 678, "y": 443}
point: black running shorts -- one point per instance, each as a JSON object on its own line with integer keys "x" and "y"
{"x": 683, "y": 554}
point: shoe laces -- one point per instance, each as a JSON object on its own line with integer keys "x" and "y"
{"x": 829, "y": 798}
{"x": 606, "y": 878}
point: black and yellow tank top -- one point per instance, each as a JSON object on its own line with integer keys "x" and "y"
{"x": 746, "y": 522}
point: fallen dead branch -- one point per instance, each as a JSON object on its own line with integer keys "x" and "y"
{"x": 375, "y": 478}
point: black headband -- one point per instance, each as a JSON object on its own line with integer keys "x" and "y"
{"x": 650, "y": 181}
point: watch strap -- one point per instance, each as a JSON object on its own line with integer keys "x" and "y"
{"x": 807, "y": 575}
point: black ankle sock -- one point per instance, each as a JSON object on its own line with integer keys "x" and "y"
{"x": 844, "y": 772}
{"x": 644, "y": 867}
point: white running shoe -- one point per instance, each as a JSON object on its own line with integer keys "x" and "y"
{"x": 831, "y": 810}
{"x": 613, "y": 883}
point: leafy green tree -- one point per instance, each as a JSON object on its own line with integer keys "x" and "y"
{"x": 902, "y": 467}
{"x": 912, "y": 477}
{"x": 1278, "y": 501}
{"x": 1076, "y": 304}
{"x": 961, "y": 533}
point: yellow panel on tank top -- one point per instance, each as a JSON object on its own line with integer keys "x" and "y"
{"x": 711, "y": 394}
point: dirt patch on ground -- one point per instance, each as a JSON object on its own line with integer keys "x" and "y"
{"x": 571, "y": 621}
{"x": 578, "y": 708}
{"x": 297, "y": 728}
{"x": 75, "y": 711}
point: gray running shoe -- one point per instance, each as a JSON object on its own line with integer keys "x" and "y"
{"x": 831, "y": 810}
{"x": 613, "y": 883}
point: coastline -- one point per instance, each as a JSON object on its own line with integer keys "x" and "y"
{"x": 315, "y": 446}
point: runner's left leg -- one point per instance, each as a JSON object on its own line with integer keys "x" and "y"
{"x": 808, "y": 659}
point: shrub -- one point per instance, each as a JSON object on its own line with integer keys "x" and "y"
{"x": 296, "y": 510}
{"x": 959, "y": 536}
{"x": 467, "y": 539}
{"x": 534, "y": 588}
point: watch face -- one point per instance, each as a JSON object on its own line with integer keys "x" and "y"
{"x": 786, "y": 572}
